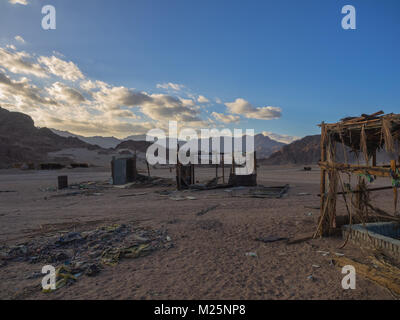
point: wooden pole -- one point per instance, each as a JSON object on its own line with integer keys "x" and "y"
{"x": 393, "y": 168}
{"x": 374, "y": 159}
{"x": 323, "y": 175}
{"x": 255, "y": 162}
{"x": 148, "y": 168}
{"x": 223, "y": 169}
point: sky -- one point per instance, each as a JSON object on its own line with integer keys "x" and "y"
{"x": 123, "y": 67}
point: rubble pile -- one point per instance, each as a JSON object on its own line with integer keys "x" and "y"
{"x": 85, "y": 253}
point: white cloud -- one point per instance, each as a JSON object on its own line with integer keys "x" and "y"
{"x": 19, "y": 39}
{"x": 89, "y": 106}
{"x": 18, "y": 62}
{"x": 280, "y": 137}
{"x": 23, "y": 2}
{"x": 202, "y": 99}
{"x": 11, "y": 46}
{"x": 62, "y": 92}
{"x": 226, "y": 118}
{"x": 61, "y": 68}
{"x": 170, "y": 85}
{"x": 243, "y": 107}
{"x": 22, "y": 92}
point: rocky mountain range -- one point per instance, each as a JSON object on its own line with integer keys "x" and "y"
{"x": 21, "y": 141}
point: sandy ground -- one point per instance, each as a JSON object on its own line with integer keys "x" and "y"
{"x": 208, "y": 259}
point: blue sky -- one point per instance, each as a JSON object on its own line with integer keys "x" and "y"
{"x": 292, "y": 55}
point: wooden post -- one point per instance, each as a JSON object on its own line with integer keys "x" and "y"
{"x": 148, "y": 168}
{"x": 216, "y": 173}
{"x": 374, "y": 159}
{"x": 393, "y": 168}
{"x": 255, "y": 162}
{"x": 223, "y": 168}
{"x": 323, "y": 176}
{"x": 233, "y": 164}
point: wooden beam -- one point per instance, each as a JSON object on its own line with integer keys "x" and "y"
{"x": 393, "y": 168}
{"x": 323, "y": 175}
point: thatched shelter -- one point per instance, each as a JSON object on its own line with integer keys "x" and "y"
{"x": 365, "y": 136}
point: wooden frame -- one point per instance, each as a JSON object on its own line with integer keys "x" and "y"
{"x": 366, "y": 134}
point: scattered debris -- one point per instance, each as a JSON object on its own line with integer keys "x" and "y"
{"x": 133, "y": 194}
{"x": 271, "y": 239}
{"x": 204, "y": 211}
{"x": 78, "y": 253}
{"x": 339, "y": 254}
{"x": 251, "y": 254}
{"x": 378, "y": 269}
{"x": 308, "y": 214}
{"x": 301, "y": 237}
{"x": 264, "y": 192}
{"x": 324, "y": 253}
{"x": 307, "y": 168}
{"x": 304, "y": 194}
{"x": 316, "y": 266}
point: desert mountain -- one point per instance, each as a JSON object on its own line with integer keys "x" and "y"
{"x": 308, "y": 151}
{"x": 21, "y": 141}
{"x": 104, "y": 142}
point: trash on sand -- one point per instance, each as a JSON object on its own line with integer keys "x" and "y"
{"x": 301, "y": 237}
{"x": 310, "y": 277}
{"x": 82, "y": 253}
{"x": 324, "y": 253}
{"x": 339, "y": 254}
{"x": 251, "y": 254}
{"x": 308, "y": 214}
{"x": 304, "y": 194}
{"x": 177, "y": 198}
{"x": 262, "y": 192}
{"x": 133, "y": 194}
{"x": 316, "y": 266}
{"x": 204, "y": 211}
{"x": 271, "y": 239}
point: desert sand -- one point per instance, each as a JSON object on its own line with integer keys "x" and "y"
{"x": 207, "y": 259}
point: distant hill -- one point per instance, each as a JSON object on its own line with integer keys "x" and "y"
{"x": 21, "y": 141}
{"x": 308, "y": 151}
{"x": 265, "y": 146}
{"x": 104, "y": 142}
{"x": 303, "y": 151}
{"x": 139, "y": 146}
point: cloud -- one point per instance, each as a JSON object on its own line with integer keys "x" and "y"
{"x": 11, "y": 46}
{"x": 17, "y": 62}
{"x": 61, "y": 92}
{"x": 280, "y": 137}
{"x": 19, "y": 39}
{"x": 226, "y": 118}
{"x": 67, "y": 100}
{"x": 202, "y": 99}
{"x": 23, "y": 2}
{"x": 243, "y": 107}
{"x": 22, "y": 92}
{"x": 170, "y": 85}
{"x": 65, "y": 70}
